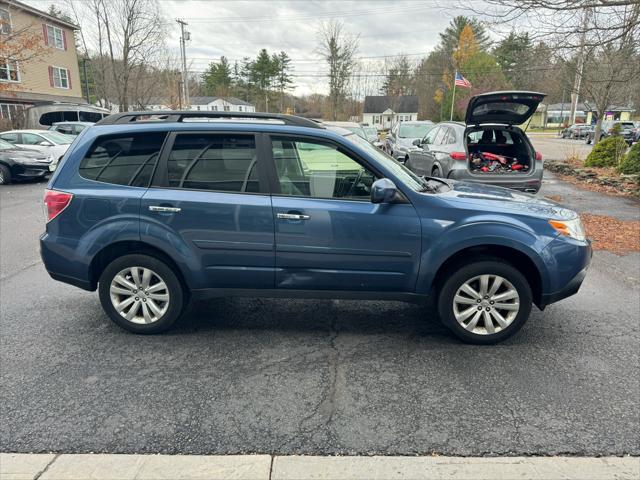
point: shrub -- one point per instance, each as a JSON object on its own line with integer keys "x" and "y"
{"x": 606, "y": 153}
{"x": 631, "y": 162}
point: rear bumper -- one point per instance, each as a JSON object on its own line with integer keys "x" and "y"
{"x": 62, "y": 264}
{"x": 526, "y": 183}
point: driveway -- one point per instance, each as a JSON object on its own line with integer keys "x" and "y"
{"x": 554, "y": 148}
{"x": 316, "y": 377}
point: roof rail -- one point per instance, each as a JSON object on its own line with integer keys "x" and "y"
{"x": 180, "y": 115}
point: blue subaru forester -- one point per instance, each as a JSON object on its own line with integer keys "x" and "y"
{"x": 153, "y": 209}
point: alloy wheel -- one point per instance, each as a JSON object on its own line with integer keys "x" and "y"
{"x": 486, "y": 304}
{"x": 139, "y": 295}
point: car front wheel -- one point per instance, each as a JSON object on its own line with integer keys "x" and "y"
{"x": 485, "y": 302}
{"x": 5, "y": 175}
{"x": 141, "y": 294}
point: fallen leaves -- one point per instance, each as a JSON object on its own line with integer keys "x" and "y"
{"x": 611, "y": 234}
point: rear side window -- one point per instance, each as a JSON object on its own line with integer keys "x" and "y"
{"x": 123, "y": 159}
{"x": 219, "y": 162}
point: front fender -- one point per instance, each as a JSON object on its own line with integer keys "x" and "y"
{"x": 480, "y": 233}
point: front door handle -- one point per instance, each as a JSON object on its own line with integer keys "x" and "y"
{"x": 293, "y": 216}
{"x": 160, "y": 208}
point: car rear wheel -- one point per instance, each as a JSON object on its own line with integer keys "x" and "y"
{"x": 5, "y": 175}
{"x": 485, "y": 302}
{"x": 435, "y": 172}
{"x": 141, "y": 294}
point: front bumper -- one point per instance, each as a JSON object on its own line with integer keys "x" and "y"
{"x": 568, "y": 261}
{"x": 27, "y": 170}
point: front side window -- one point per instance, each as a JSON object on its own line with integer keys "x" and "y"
{"x": 123, "y": 159}
{"x": 218, "y": 162}
{"x": 9, "y": 71}
{"x": 307, "y": 168}
{"x": 55, "y": 37}
{"x": 60, "y": 77}
{"x": 32, "y": 139}
{"x": 430, "y": 137}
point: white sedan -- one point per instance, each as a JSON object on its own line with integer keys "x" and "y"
{"x": 53, "y": 144}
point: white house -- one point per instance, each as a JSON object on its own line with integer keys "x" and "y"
{"x": 383, "y": 111}
{"x": 221, "y": 104}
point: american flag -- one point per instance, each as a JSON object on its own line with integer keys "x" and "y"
{"x": 461, "y": 81}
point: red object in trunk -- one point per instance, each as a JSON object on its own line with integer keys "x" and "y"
{"x": 516, "y": 166}
{"x": 484, "y": 169}
{"x": 538, "y": 156}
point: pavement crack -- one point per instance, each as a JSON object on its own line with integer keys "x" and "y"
{"x": 516, "y": 424}
{"x": 18, "y": 272}
{"x": 46, "y": 467}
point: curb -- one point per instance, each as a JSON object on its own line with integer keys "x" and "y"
{"x": 17, "y": 466}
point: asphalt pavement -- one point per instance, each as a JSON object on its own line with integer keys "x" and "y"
{"x": 311, "y": 377}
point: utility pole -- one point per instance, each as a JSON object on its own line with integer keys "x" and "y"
{"x": 184, "y": 36}
{"x": 579, "y": 69}
{"x": 86, "y": 80}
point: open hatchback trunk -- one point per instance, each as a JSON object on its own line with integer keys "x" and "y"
{"x": 494, "y": 143}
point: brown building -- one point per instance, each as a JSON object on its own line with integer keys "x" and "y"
{"x": 53, "y": 76}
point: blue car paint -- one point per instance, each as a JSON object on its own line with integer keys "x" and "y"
{"x": 228, "y": 240}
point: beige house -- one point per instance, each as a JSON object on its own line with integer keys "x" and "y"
{"x": 51, "y": 77}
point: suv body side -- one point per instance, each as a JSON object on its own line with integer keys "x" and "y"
{"x": 350, "y": 248}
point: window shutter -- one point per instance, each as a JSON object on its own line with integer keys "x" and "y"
{"x": 69, "y": 78}
{"x": 46, "y": 36}
{"x": 51, "y": 76}
{"x": 64, "y": 39}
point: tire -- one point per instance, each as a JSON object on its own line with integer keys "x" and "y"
{"x": 512, "y": 279}
{"x": 165, "y": 314}
{"x": 5, "y": 175}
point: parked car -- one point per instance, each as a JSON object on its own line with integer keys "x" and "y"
{"x": 52, "y": 144}
{"x": 627, "y": 131}
{"x": 372, "y": 136}
{"x": 399, "y": 141}
{"x": 70, "y": 128}
{"x": 20, "y": 163}
{"x": 576, "y": 132}
{"x": 154, "y": 213}
{"x": 489, "y": 148}
{"x": 351, "y": 126}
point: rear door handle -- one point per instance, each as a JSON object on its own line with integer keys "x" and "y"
{"x": 293, "y": 216}
{"x": 160, "y": 208}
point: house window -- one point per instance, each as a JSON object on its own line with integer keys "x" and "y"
{"x": 55, "y": 37}
{"x": 5, "y": 21}
{"x": 198, "y": 107}
{"x": 239, "y": 109}
{"x": 9, "y": 71}
{"x": 215, "y": 108}
{"x": 226, "y": 108}
{"x": 60, "y": 77}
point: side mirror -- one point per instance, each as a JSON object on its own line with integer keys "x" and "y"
{"x": 44, "y": 143}
{"x": 417, "y": 142}
{"x": 383, "y": 191}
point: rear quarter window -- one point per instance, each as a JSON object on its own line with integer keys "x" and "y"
{"x": 127, "y": 159}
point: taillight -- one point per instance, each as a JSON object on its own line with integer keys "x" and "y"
{"x": 538, "y": 156}
{"x": 55, "y": 202}
{"x": 458, "y": 155}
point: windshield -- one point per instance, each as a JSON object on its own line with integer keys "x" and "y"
{"x": 57, "y": 138}
{"x": 358, "y": 131}
{"x": 4, "y": 145}
{"x": 403, "y": 173}
{"x": 415, "y": 130}
{"x": 371, "y": 131}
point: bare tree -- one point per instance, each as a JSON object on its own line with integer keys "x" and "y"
{"x": 339, "y": 50}
{"x": 128, "y": 39}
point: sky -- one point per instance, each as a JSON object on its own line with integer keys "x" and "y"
{"x": 240, "y": 28}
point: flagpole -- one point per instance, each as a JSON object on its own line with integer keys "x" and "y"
{"x": 453, "y": 97}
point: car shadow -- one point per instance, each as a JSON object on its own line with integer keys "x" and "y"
{"x": 363, "y": 317}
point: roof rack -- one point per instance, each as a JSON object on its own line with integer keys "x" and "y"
{"x": 180, "y": 115}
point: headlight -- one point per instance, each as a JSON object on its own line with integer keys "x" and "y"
{"x": 569, "y": 228}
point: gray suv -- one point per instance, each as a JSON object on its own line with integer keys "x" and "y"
{"x": 400, "y": 140}
{"x": 488, "y": 148}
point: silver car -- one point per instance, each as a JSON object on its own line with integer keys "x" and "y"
{"x": 399, "y": 141}
{"x": 488, "y": 148}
